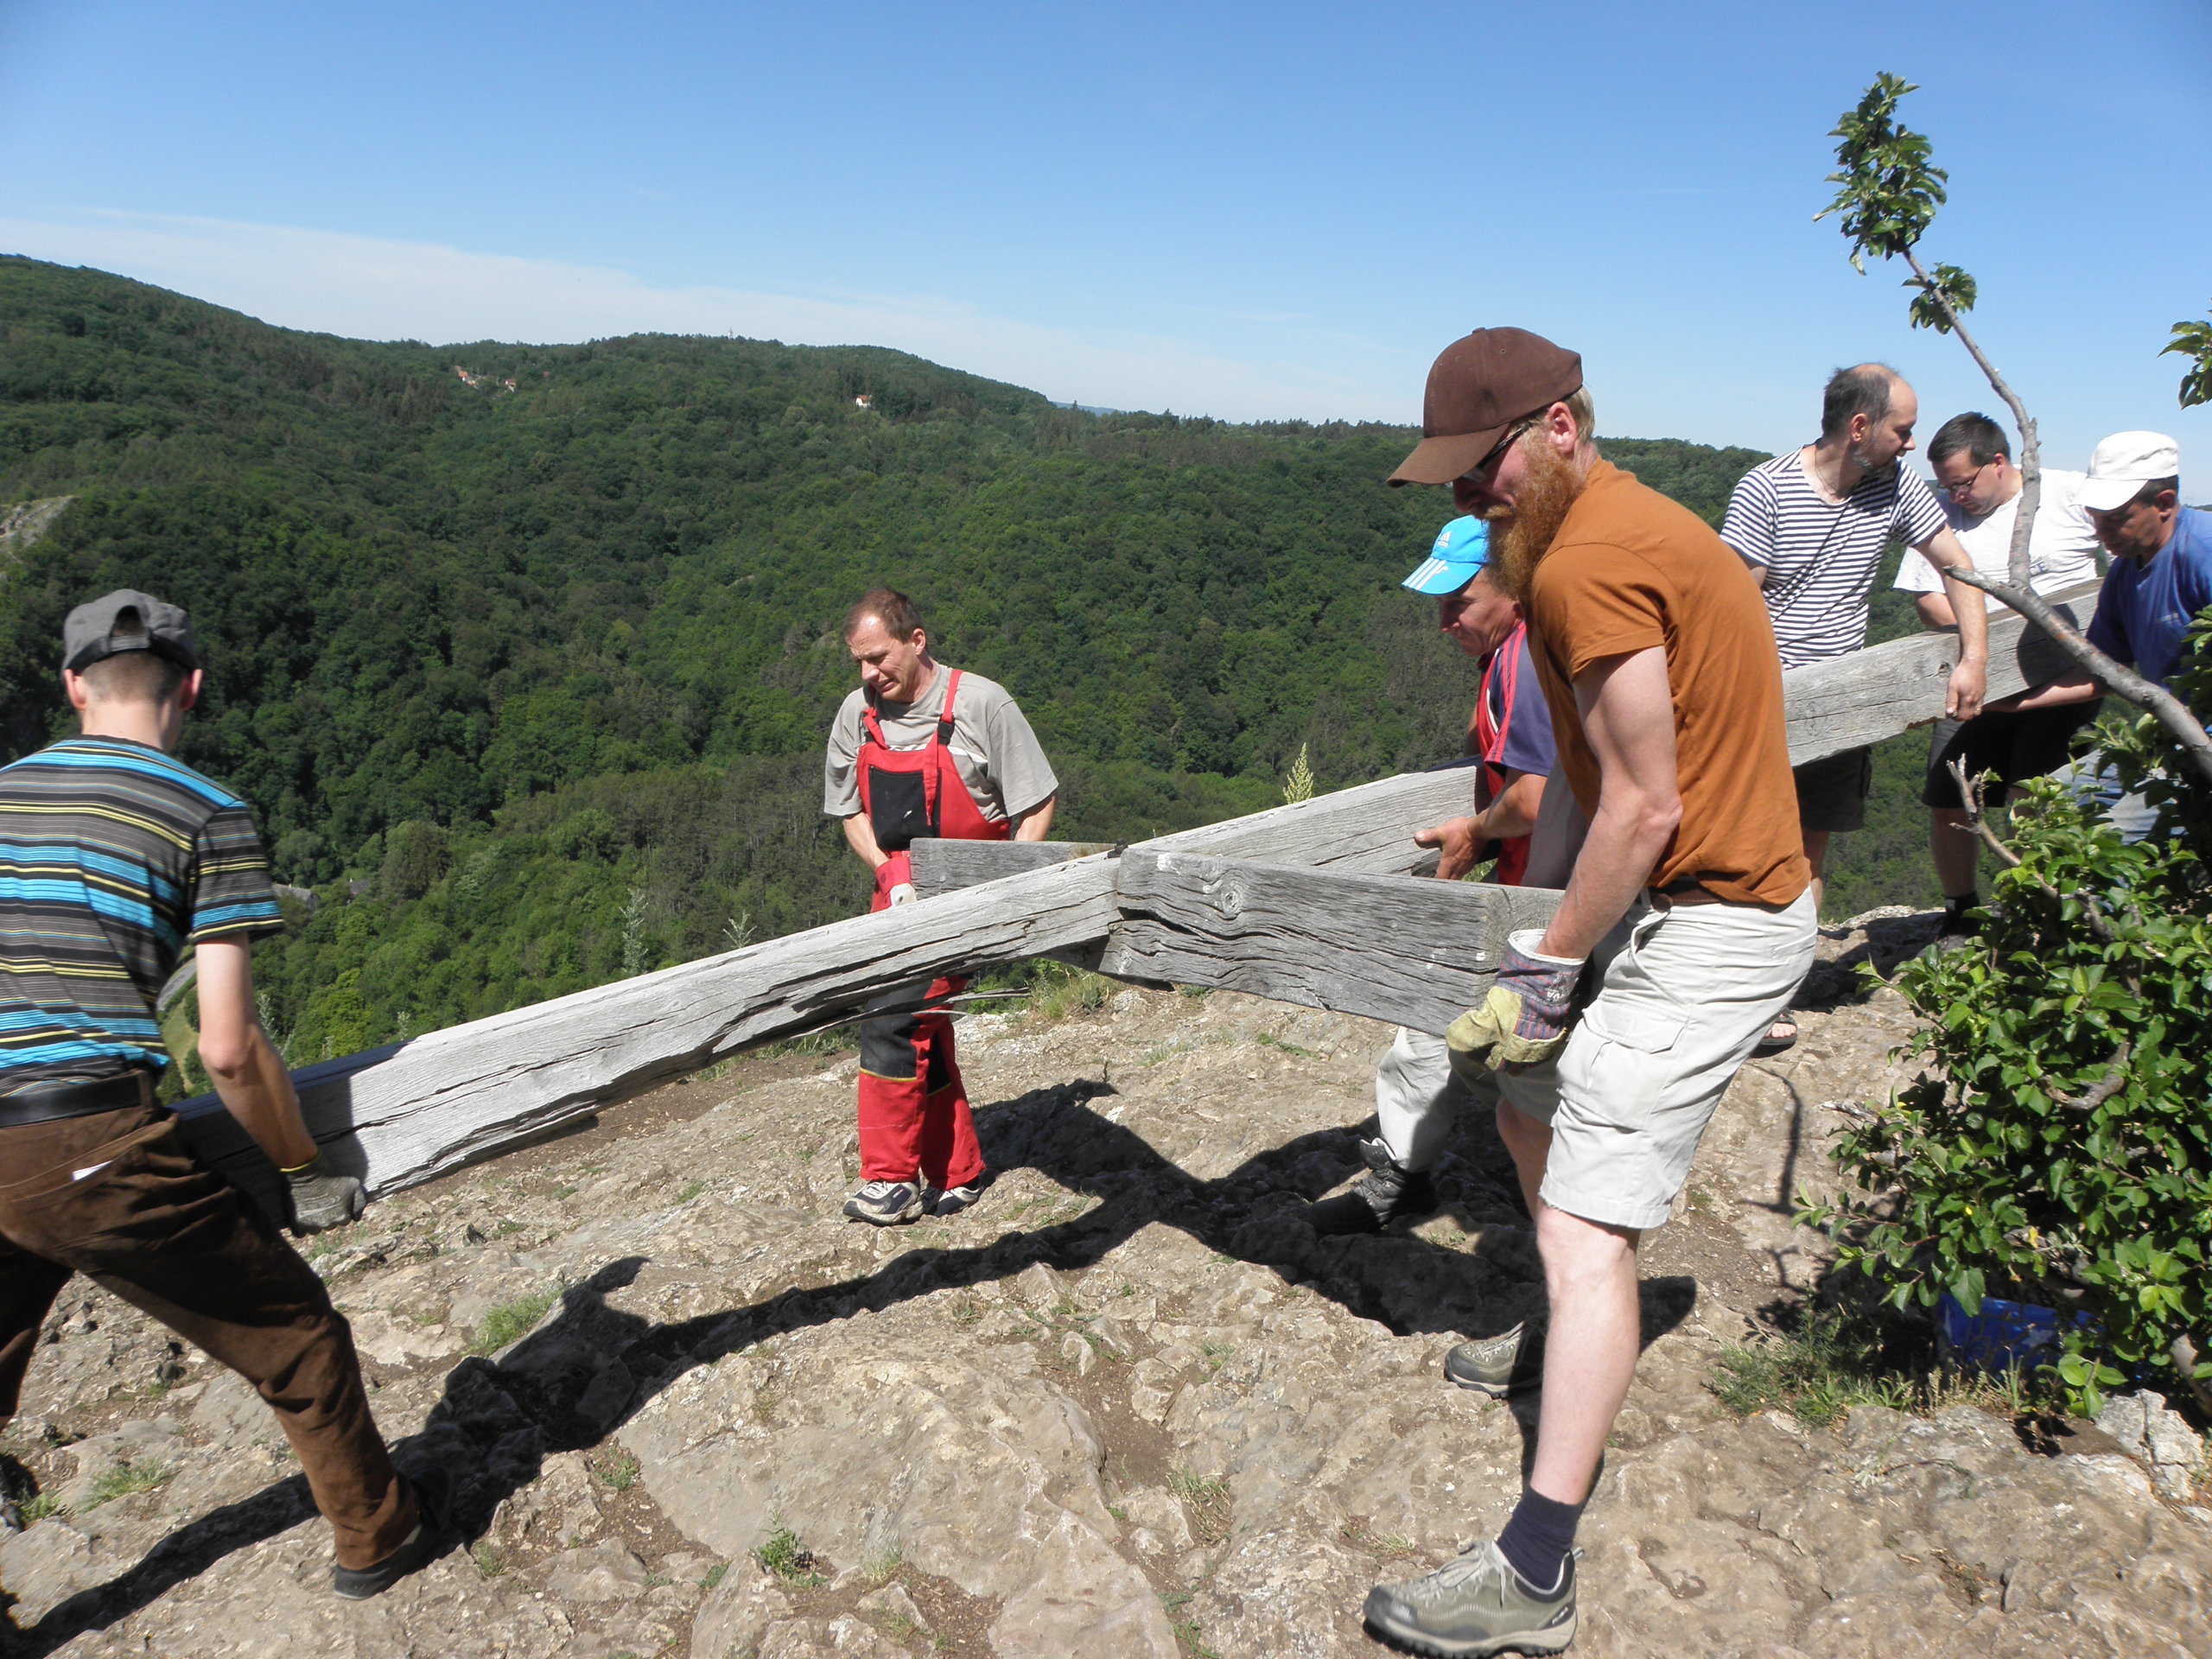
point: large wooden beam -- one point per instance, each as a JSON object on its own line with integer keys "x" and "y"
{"x": 1214, "y": 906}
{"x": 1398, "y": 949}
{"x": 1848, "y": 702}
{"x": 1368, "y": 826}
{"x": 402, "y": 1115}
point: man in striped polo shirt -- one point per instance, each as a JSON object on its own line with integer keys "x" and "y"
{"x": 1813, "y": 525}
{"x": 113, "y": 858}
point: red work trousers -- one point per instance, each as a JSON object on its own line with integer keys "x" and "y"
{"x": 915, "y": 1116}
{"x": 119, "y": 1198}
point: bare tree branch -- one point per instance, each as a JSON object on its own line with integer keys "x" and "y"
{"x": 1970, "y": 796}
{"x": 2115, "y": 1080}
{"x": 2182, "y": 1353}
{"x": 2018, "y": 567}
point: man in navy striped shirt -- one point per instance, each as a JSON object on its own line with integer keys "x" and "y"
{"x": 113, "y": 858}
{"x": 1813, "y": 525}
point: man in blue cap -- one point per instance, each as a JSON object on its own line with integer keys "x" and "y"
{"x": 1509, "y": 737}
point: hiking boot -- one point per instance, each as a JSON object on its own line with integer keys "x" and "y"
{"x": 951, "y": 1200}
{"x": 1510, "y": 1363}
{"x": 433, "y": 1490}
{"x": 886, "y": 1204}
{"x": 1391, "y": 1193}
{"x": 1475, "y": 1607}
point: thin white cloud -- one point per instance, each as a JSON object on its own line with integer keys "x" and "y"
{"x": 368, "y": 288}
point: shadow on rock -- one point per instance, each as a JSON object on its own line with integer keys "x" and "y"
{"x": 585, "y": 1370}
{"x": 1891, "y": 939}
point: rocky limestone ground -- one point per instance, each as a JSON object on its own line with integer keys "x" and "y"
{"x": 1129, "y": 1405}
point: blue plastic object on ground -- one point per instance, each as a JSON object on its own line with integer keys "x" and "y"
{"x": 2005, "y": 1335}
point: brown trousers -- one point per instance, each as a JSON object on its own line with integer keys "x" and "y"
{"x": 119, "y": 1198}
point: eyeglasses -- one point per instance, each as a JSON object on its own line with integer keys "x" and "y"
{"x": 1481, "y": 471}
{"x": 1959, "y": 490}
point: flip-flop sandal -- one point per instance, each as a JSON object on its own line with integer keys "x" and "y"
{"x": 1770, "y": 1044}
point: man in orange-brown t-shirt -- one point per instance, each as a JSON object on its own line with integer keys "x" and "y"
{"x": 1685, "y": 925}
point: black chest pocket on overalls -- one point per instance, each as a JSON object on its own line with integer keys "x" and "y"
{"x": 898, "y": 808}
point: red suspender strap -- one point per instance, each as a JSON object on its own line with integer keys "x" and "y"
{"x": 940, "y": 759}
{"x": 944, "y": 714}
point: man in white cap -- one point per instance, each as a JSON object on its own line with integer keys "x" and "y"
{"x": 2161, "y": 577}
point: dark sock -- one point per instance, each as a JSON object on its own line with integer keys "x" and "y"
{"x": 1954, "y": 913}
{"x": 1538, "y": 1537}
{"x": 1954, "y": 904}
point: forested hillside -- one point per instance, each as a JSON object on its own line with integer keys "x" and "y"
{"x": 528, "y": 673}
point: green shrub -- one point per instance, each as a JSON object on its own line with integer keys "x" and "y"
{"x": 2057, "y": 1150}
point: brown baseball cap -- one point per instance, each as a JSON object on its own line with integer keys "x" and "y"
{"x": 1478, "y": 387}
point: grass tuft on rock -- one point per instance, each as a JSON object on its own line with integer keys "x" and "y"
{"x": 39, "y": 1507}
{"x": 514, "y": 1321}
{"x": 128, "y": 1477}
{"x": 620, "y": 1471}
{"x": 791, "y": 1563}
{"x": 1205, "y": 1504}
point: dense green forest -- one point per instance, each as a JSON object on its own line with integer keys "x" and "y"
{"x": 526, "y": 673}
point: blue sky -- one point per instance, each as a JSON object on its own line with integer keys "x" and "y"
{"x": 1243, "y": 211}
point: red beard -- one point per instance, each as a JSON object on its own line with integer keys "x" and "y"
{"x": 1521, "y": 535}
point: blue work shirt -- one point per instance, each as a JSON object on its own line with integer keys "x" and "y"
{"x": 2145, "y": 611}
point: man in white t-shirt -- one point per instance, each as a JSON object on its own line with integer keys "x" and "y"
{"x": 1813, "y": 524}
{"x": 1972, "y": 462}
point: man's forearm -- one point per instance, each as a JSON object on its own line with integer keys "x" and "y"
{"x": 1037, "y": 823}
{"x": 258, "y": 1093}
{"x": 1970, "y": 679}
{"x": 859, "y": 836}
{"x": 2076, "y": 687}
{"x": 1936, "y": 610}
{"x": 1514, "y": 812}
{"x": 1623, "y": 844}
{"x": 1972, "y": 613}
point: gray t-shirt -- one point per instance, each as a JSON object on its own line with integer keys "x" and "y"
{"x": 996, "y": 755}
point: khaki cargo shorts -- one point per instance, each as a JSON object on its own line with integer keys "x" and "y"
{"x": 1687, "y": 991}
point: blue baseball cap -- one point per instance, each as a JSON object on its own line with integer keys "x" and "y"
{"x": 1462, "y": 548}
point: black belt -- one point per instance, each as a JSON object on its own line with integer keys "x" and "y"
{"x": 45, "y": 1102}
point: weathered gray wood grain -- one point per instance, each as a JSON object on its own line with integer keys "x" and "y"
{"x": 1871, "y": 694}
{"x": 1399, "y": 948}
{"x": 948, "y": 866}
{"x": 402, "y": 1115}
{"x": 1369, "y": 827}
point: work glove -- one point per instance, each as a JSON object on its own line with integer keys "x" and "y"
{"x": 1524, "y": 1019}
{"x": 321, "y": 1198}
{"x": 901, "y": 893}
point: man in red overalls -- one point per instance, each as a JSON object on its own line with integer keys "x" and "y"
{"x": 921, "y": 749}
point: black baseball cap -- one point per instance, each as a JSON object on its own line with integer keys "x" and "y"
{"x": 127, "y": 619}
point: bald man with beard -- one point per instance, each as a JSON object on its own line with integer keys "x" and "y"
{"x": 1686, "y": 923}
